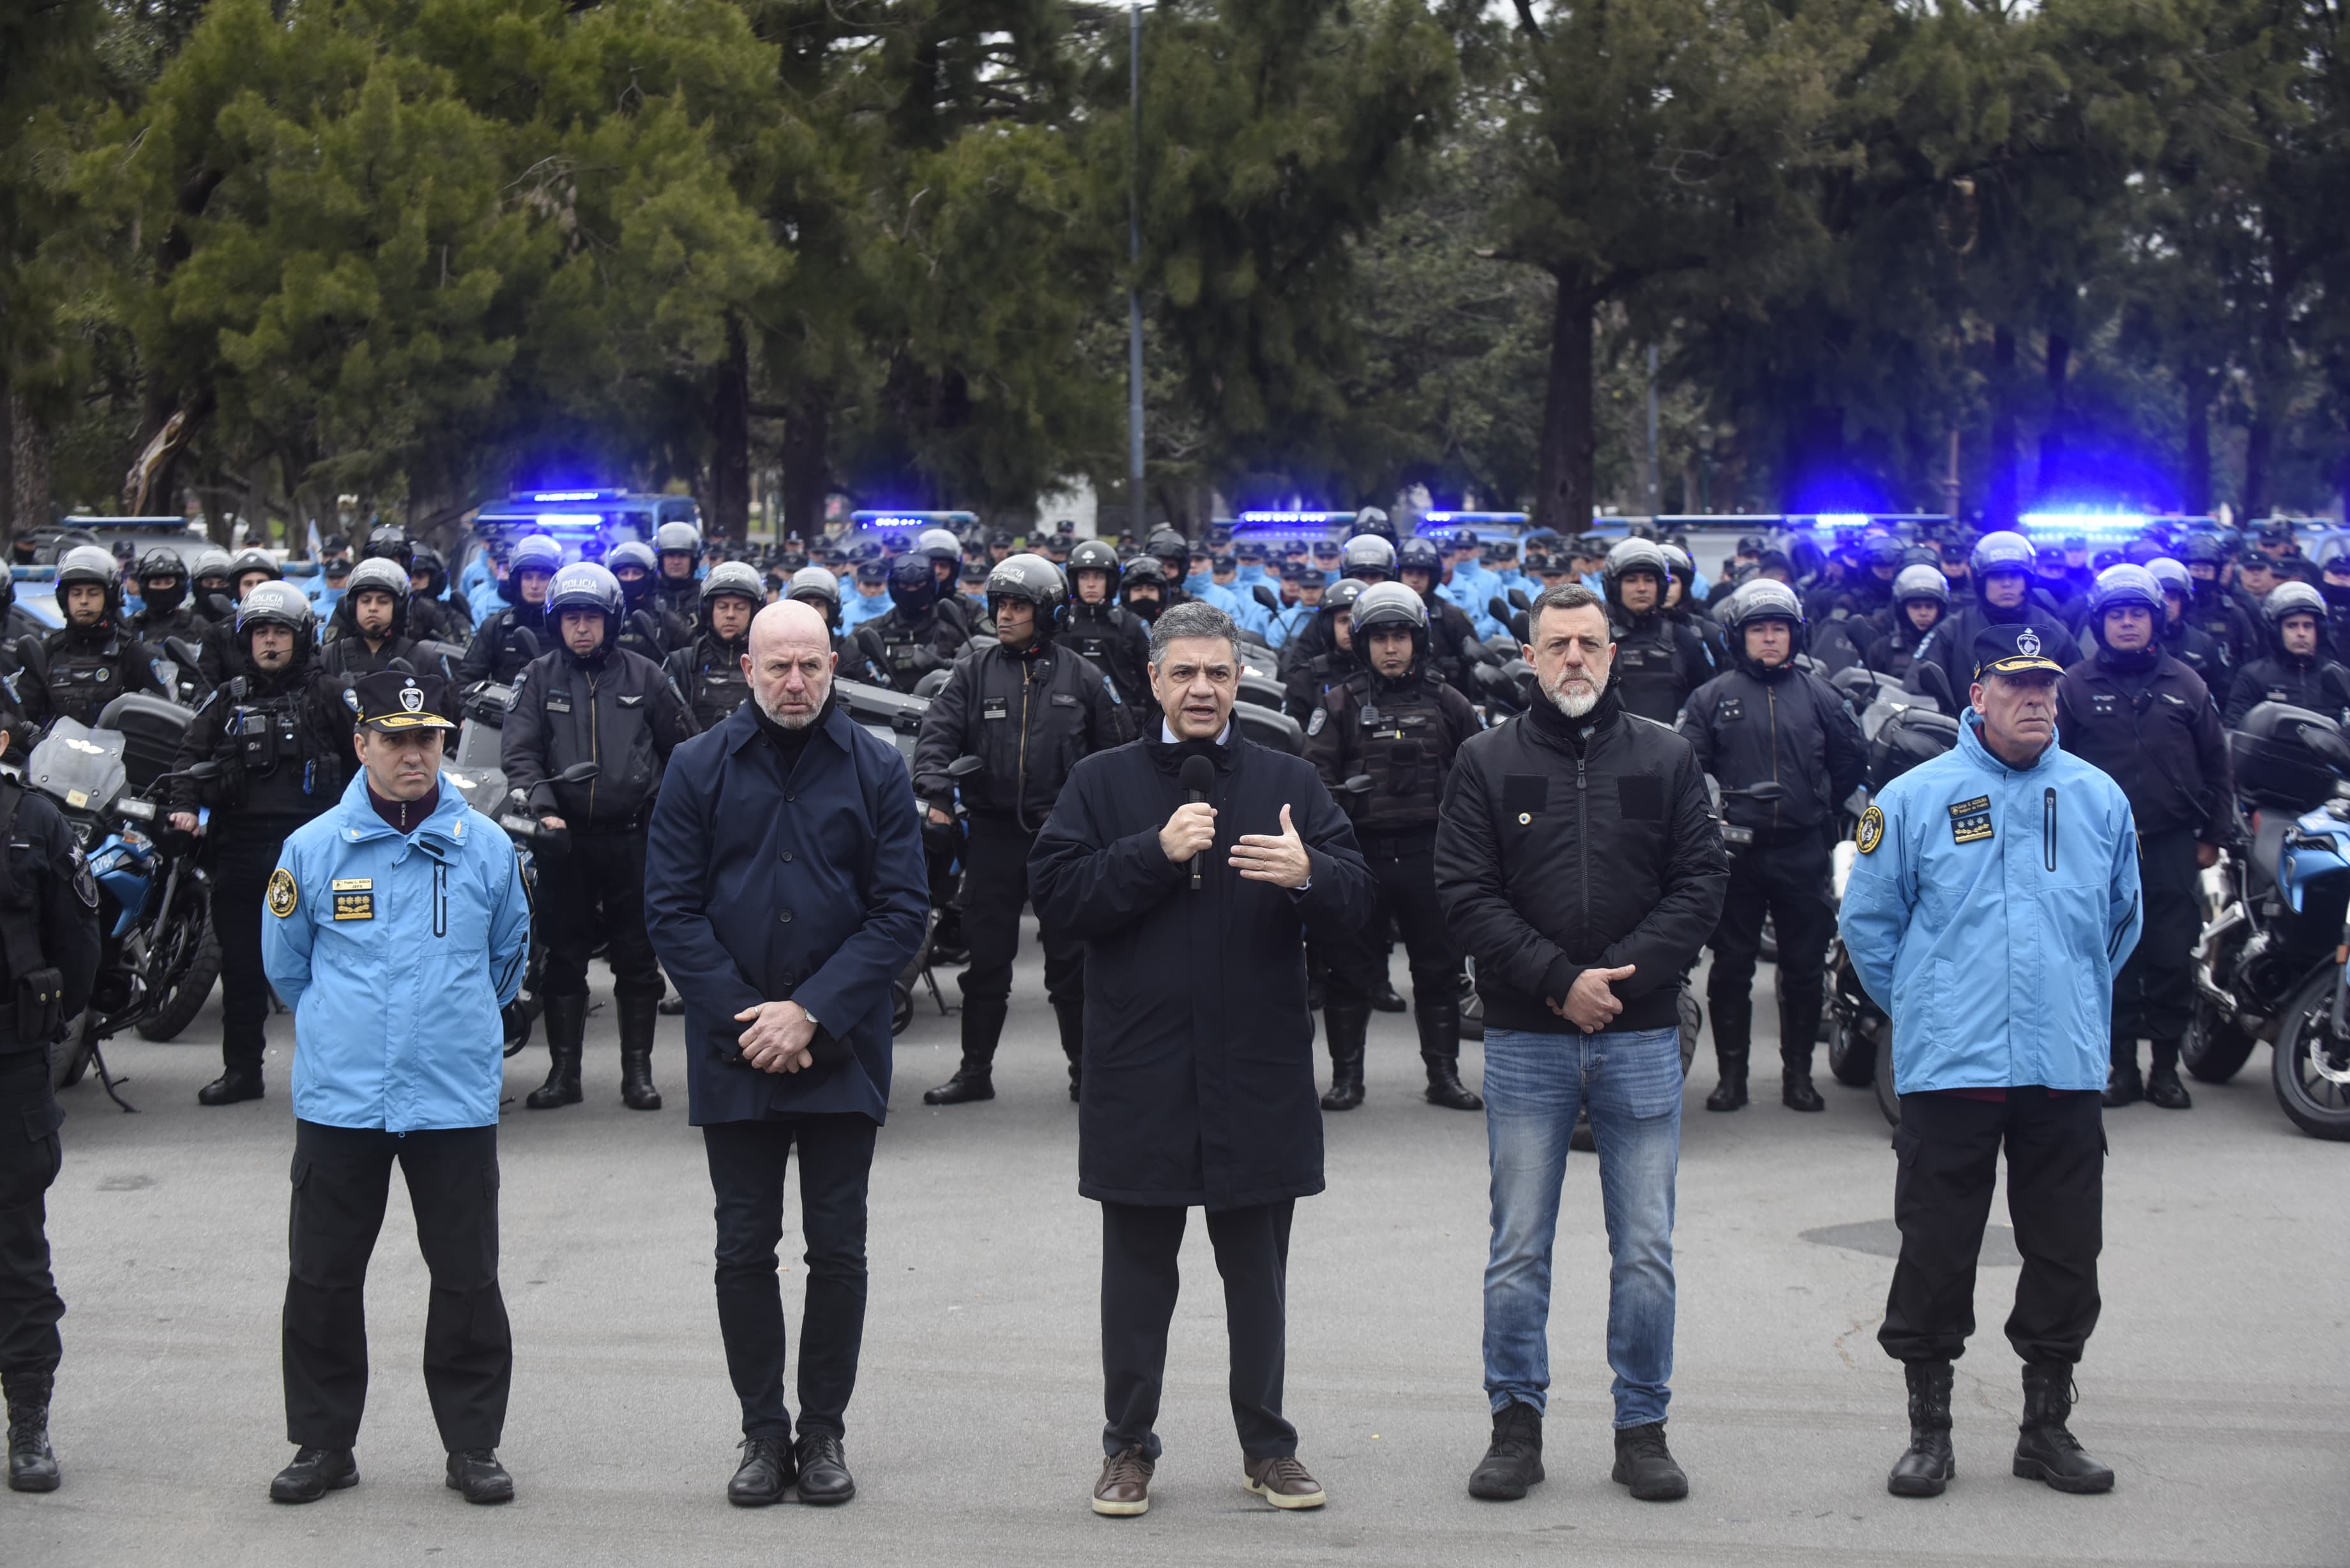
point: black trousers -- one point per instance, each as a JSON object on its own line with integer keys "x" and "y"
{"x": 994, "y": 887}
{"x": 342, "y": 1177}
{"x": 2155, "y": 993}
{"x": 597, "y": 888}
{"x": 1947, "y": 1150}
{"x": 244, "y": 851}
{"x": 1788, "y": 882}
{"x": 1403, "y": 881}
{"x": 746, "y": 1174}
{"x": 1139, "y": 1281}
{"x": 31, "y": 1154}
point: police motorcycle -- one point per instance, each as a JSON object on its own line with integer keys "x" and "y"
{"x": 532, "y": 839}
{"x": 2269, "y": 965}
{"x": 897, "y": 718}
{"x": 157, "y": 960}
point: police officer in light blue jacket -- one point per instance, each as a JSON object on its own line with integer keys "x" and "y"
{"x": 1994, "y": 898}
{"x": 397, "y": 928}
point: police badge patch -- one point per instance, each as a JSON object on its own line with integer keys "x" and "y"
{"x": 1314, "y": 725}
{"x": 85, "y": 886}
{"x": 1970, "y": 820}
{"x": 2027, "y": 643}
{"x": 282, "y": 897}
{"x": 1871, "y": 832}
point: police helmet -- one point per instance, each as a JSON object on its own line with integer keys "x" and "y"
{"x": 1630, "y": 556}
{"x": 1343, "y": 594}
{"x": 1374, "y": 520}
{"x": 2292, "y": 599}
{"x": 1171, "y": 549}
{"x": 914, "y": 584}
{"x": 1418, "y": 555}
{"x": 2172, "y": 576}
{"x": 278, "y": 604}
{"x": 633, "y": 553}
{"x": 1920, "y": 583}
{"x": 1762, "y": 598}
{"x": 2140, "y": 551}
{"x": 677, "y": 538}
{"x": 2203, "y": 549}
{"x": 1143, "y": 569}
{"x": 585, "y": 585}
{"x": 816, "y": 585}
{"x": 1367, "y": 553}
{"x": 736, "y": 577}
{"x": 1881, "y": 550}
{"x": 1390, "y": 604}
{"x": 1677, "y": 560}
{"x": 251, "y": 560}
{"x": 939, "y": 545}
{"x": 381, "y": 575}
{"x": 88, "y": 563}
{"x": 535, "y": 553}
{"x": 2001, "y": 552}
{"x": 212, "y": 561}
{"x": 390, "y": 543}
{"x": 2118, "y": 587}
{"x": 163, "y": 561}
{"x": 1093, "y": 555}
{"x": 1030, "y": 578}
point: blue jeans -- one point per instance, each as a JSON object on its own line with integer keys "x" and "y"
{"x": 1534, "y": 1084}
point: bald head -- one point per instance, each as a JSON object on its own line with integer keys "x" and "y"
{"x": 790, "y": 663}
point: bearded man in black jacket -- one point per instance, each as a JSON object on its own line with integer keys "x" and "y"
{"x": 1578, "y": 860}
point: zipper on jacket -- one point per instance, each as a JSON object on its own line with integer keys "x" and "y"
{"x": 439, "y": 898}
{"x": 1020, "y": 782}
{"x": 1771, "y": 700}
{"x": 593, "y": 755}
{"x": 1583, "y": 841}
{"x": 2048, "y": 824}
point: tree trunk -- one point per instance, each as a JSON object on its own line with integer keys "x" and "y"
{"x": 1999, "y": 511}
{"x": 28, "y": 468}
{"x": 807, "y": 464}
{"x": 1565, "y": 479}
{"x": 730, "y": 466}
{"x": 2051, "y": 438}
{"x": 2195, "y": 481}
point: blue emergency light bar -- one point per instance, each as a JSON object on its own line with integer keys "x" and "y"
{"x": 2103, "y": 527}
{"x": 571, "y": 495}
{"x": 914, "y": 519}
{"x": 1477, "y": 519}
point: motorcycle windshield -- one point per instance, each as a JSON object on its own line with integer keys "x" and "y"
{"x": 79, "y": 767}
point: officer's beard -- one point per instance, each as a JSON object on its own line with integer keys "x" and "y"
{"x": 1576, "y": 699}
{"x": 783, "y": 721}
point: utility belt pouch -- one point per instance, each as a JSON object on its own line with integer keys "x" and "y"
{"x": 40, "y": 1003}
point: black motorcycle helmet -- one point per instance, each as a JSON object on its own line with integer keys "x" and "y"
{"x": 817, "y": 587}
{"x": 1373, "y": 520}
{"x": 1625, "y": 557}
{"x": 390, "y": 543}
{"x": 1143, "y": 569}
{"x": 1419, "y": 555}
{"x": 736, "y": 577}
{"x": 162, "y": 564}
{"x": 638, "y": 553}
{"x": 1094, "y": 556}
{"x": 584, "y": 585}
{"x": 1390, "y": 604}
{"x": 1171, "y": 551}
{"x": 426, "y": 561}
{"x": 1763, "y": 600}
{"x": 1367, "y": 553}
{"x": 278, "y": 604}
{"x": 93, "y": 565}
{"x": 1034, "y": 579}
{"x": 914, "y": 584}
{"x": 538, "y": 552}
{"x": 380, "y": 575}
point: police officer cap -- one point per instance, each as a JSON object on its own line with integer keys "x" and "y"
{"x": 1920, "y": 583}
{"x": 275, "y": 604}
{"x": 1326, "y": 549}
{"x": 379, "y": 575}
{"x": 1763, "y": 599}
{"x": 2012, "y": 651}
{"x": 2003, "y": 552}
{"x": 875, "y": 571}
{"x": 2292, "y": 599}
{"x": 976, "y": 572}
{"x": 736, "y": 577}
{"x": 1464, "y": 538}
{"x": 1389, "y": 604}
{"x": 1250, "y": 550}
{"x": 2118, "y": 587}
{"x": 2277, "y": 531}
{"x": 814, "y": 582}
{"x": 1300, "y": 572}
{"x": 677, "y": 537}
{"x": 388, "y": 702}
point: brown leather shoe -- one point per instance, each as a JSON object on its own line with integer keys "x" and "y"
{"x": 1282, "y": 1481}
{"x": 1124, "y": 1490}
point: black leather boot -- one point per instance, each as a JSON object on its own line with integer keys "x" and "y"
{"x": 1070, "y": 1014}
{"x": 2044, "y": 1450}
{"x": 1514, "y": 1461}
{"x": 639, "y": 1015}
{"x": 1348, "y": 1024}
{"x": 1439, "y": 1049}
{"x": 567, "y": 1030}
{"x": 1730, "y": 1095}
{"x": 2123, "y": 1085}
{"x": 1384, "y": 998}
{"x": 1645, "y": 1464}
{"x": 1795, "y": 1090}
{"x": 2162, "y": 1085}
{"x": 1927, "y": 1465}
{"x": 32, "y": 1466}
{"x": 233, "y": 1085}
{"x": 983, "y": 1026}
{"x": 313, "y": 1473}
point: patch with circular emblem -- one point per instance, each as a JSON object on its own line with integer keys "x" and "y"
{"x": 282, "y": 897}
{"x": 1871, "y": 833}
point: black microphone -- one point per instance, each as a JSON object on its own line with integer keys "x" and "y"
{"x": 1199, "y": 777}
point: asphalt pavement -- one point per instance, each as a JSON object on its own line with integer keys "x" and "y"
{"x": 2215, "y": 1386}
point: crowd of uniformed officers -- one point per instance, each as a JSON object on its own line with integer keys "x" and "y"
{"x": 1032, "y": 661}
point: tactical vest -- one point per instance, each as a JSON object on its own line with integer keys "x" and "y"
{"x": 718, "y": 687}
{"x": 276, "y": 765}
{"x": 1648, "y": 679}
{"x": 85, "y": 677}
{"x": 1404, "y": 744}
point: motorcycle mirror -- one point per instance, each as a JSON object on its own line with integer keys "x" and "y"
{"x": 1518, "y": 598}
{"x": 579, "y": 774}
{"x": 401, "y": 665}
{"x": 1267, "y": 596}
{"x": 527, "y": 641}
{"x": 182, "y": 652}
{"x": 1359, "y": 785}
{"x": 203, "y": 773}
{"x": 1935, "y": 683}
{"x": 1767, "y": 791}
{"x": 1499, "y": 609}
{"x": 32, "y": 654}
{"x": 963, "y": 767}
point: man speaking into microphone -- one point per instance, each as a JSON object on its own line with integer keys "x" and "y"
{"x": 1195, "y": 862}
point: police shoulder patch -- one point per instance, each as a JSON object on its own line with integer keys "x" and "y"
{"x": 1871, "y": 832}
{"x": 1314, "y": 725}
{"x": 85, "y": 886}
{"x": 282, "y": 897}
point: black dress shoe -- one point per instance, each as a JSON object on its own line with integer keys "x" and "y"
{"x": 477, "y": 1473}
{"x": 2163, "y": 1089}
{"x": 2124, "y": 1087}
{"x": 824, "y": 1480}
{"x": 964, "y": 1087}
{"x": 767, "y": 1467}
{"x": 229, "y": 1088}
{"x": 313, "y": 1473}
{"x": 1384, "y": 998}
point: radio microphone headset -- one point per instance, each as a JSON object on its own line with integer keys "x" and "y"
{"x": 1199, "y": 777}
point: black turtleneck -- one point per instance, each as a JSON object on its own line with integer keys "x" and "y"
{"x": 1169, "y": 757}
{"x": 1548, "y": 721}
{"x": 789, "y": 742}
{"x": 405, "y": 815}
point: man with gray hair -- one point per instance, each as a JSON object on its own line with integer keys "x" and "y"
{"x": 1194, "y": 862}
{"x": 1579, "y": 862}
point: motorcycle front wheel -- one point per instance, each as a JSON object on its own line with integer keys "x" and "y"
{"x": 183, "y": 980}
{"x": 2312, "y": 1062}
{"x": 2213, "y": 1049}
{"x": 69, "y": 1057}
